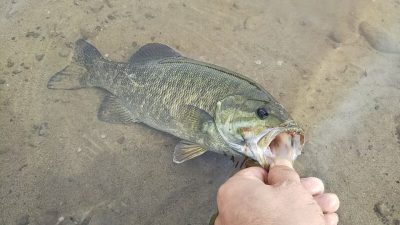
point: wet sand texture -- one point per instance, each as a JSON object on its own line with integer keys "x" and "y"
{"x": 335, "y": 65}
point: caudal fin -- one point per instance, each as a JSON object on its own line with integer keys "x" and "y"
{"x": 74, "y": 76}
{"x": 71, "y": 77}
{"x": 86, "y": 54}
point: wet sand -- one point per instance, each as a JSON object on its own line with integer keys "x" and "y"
{"x": 335, "y": 65}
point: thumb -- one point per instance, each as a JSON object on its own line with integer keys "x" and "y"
{"x": 282, "y": 171}
{"x": 254, "y": 173}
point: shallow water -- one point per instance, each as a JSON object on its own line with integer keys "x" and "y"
{"x": 335, "y": 65}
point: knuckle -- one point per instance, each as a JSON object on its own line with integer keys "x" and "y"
{"x": 224, "y": 193}
{"x": 221, "y": 192}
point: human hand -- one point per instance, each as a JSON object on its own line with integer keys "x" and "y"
{"x": 279, "y": 197}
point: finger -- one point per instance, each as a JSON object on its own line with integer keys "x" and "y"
{"x": 256, "y": 173}
{"x": 281, "y": 171}
{"x": 313, "y": 185}
{"x": 329, "y": 202}
{"x": 331, "y": 219}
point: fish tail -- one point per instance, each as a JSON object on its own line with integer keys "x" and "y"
{"x": 77, "y": 74}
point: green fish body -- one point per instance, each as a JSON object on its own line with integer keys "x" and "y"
{"x": 192, "y": 100}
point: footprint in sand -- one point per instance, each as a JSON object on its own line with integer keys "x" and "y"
{"x": 379, "y": 39}
{"x": 388, "y": 213}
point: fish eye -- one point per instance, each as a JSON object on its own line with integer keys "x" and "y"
{"x": 262, "y": 113}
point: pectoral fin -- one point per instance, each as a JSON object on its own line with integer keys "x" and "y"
{"x": 112, "y": 110}
{"x": 195, "y": 119}
{"x": 187, "y": 150}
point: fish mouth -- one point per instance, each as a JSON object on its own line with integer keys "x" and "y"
{"x": 284, "y": 142}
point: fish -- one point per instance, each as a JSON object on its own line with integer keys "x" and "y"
{"x": 208, "y": 107}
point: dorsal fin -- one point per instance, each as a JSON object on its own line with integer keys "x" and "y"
{"x": 218, "y": 68}
{"x": 153, "y": 51}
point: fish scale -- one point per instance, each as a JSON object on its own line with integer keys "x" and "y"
{"x": 207, "y": 106}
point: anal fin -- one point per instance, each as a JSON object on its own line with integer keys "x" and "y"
{"x": 112, "y": 110}
{"x": 186, "y": 150}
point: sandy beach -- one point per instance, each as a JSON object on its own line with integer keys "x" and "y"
{"x": 334, "y": 65}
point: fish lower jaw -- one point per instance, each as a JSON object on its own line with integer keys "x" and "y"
{"x": 284, "y": 146}
{"x": 271, "y": 154}
{"x": 278, "y": 144}
{"x": 287, "y": 153}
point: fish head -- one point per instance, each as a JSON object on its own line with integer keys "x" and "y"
{"x": 259, "y": 128}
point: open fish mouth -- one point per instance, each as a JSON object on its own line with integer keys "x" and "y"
{"x": 284, "y": 142}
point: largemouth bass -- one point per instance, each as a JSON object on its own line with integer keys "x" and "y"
{"x": 209, "y": 107}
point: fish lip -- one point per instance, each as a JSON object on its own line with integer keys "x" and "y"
{"x": 264, "y": 155}
{"x": 273, "y": 132}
